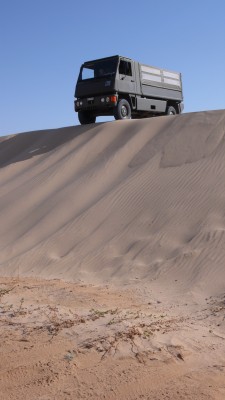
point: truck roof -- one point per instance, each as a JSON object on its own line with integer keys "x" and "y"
{"x": 106, "y": 58}
{"x": 128, "y": 58}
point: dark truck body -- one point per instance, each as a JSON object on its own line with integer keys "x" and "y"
{"x": 125, "y": 88}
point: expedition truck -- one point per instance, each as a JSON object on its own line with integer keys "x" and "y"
{"x": 124, "y": 88}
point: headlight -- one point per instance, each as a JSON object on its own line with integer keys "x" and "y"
{"x": 81, "y": 103}
{"x": 107, "y": 99}
{"x": 102, "y": 99}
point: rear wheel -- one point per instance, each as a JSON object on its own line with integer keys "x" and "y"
{"x": 86, "y": 118}
{"x": 171, "y": 111}
{"x": 122, "y": 110}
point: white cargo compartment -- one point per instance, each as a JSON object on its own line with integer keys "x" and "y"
{"x": 159, "y": 77}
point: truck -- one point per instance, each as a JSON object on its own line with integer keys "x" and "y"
{"x": 121, "y": 87}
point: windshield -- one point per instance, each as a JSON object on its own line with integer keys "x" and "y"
{"x": 98, "y": 69}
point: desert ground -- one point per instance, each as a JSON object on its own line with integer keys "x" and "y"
{"x": 112, "y": 260}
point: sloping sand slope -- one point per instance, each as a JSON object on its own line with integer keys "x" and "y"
{"x": 117, "y": 201}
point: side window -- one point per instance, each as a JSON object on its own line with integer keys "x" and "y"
{"x": 125, "y": 68}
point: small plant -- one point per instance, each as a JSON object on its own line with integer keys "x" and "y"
{"x": 95, "y": 314}
{"x": 69, "y": 356}
{"x": 112, "y": 321}
{"x": 147, "y": 334}
{"x": 21, "y": 304}
{"x": 5, "y": 291}
{"x": 57, "y": 322}
{"x": 98, "y": 313}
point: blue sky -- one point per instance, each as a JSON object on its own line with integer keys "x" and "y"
{"x": 44, "y": 42}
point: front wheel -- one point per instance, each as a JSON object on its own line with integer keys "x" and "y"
{"x": 86, "y": 118}
{"x": 122, "y": 110}
{"x": 171, "y": 111}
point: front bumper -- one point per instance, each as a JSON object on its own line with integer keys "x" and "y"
{"x": 96, "y": 102}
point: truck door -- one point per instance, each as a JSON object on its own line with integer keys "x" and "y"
{"x": 126, "y": 73}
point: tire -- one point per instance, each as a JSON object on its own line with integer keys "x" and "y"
{"x": 86, "y": 118}
{"x": 122, "y": 110}
{"x": 171, "y": 111}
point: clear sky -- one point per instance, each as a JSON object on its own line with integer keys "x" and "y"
{"x": 44, "y": 42}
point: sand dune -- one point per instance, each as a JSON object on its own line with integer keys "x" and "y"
{"x": 112, "y": 261}
{"x": 117, "y": 201}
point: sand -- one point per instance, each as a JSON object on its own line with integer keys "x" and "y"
{"x": 112, "y": 253}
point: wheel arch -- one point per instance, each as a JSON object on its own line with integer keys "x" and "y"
{"x": 175, "y": 104}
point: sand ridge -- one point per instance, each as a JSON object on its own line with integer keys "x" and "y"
{"x": 138, "y": 199}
